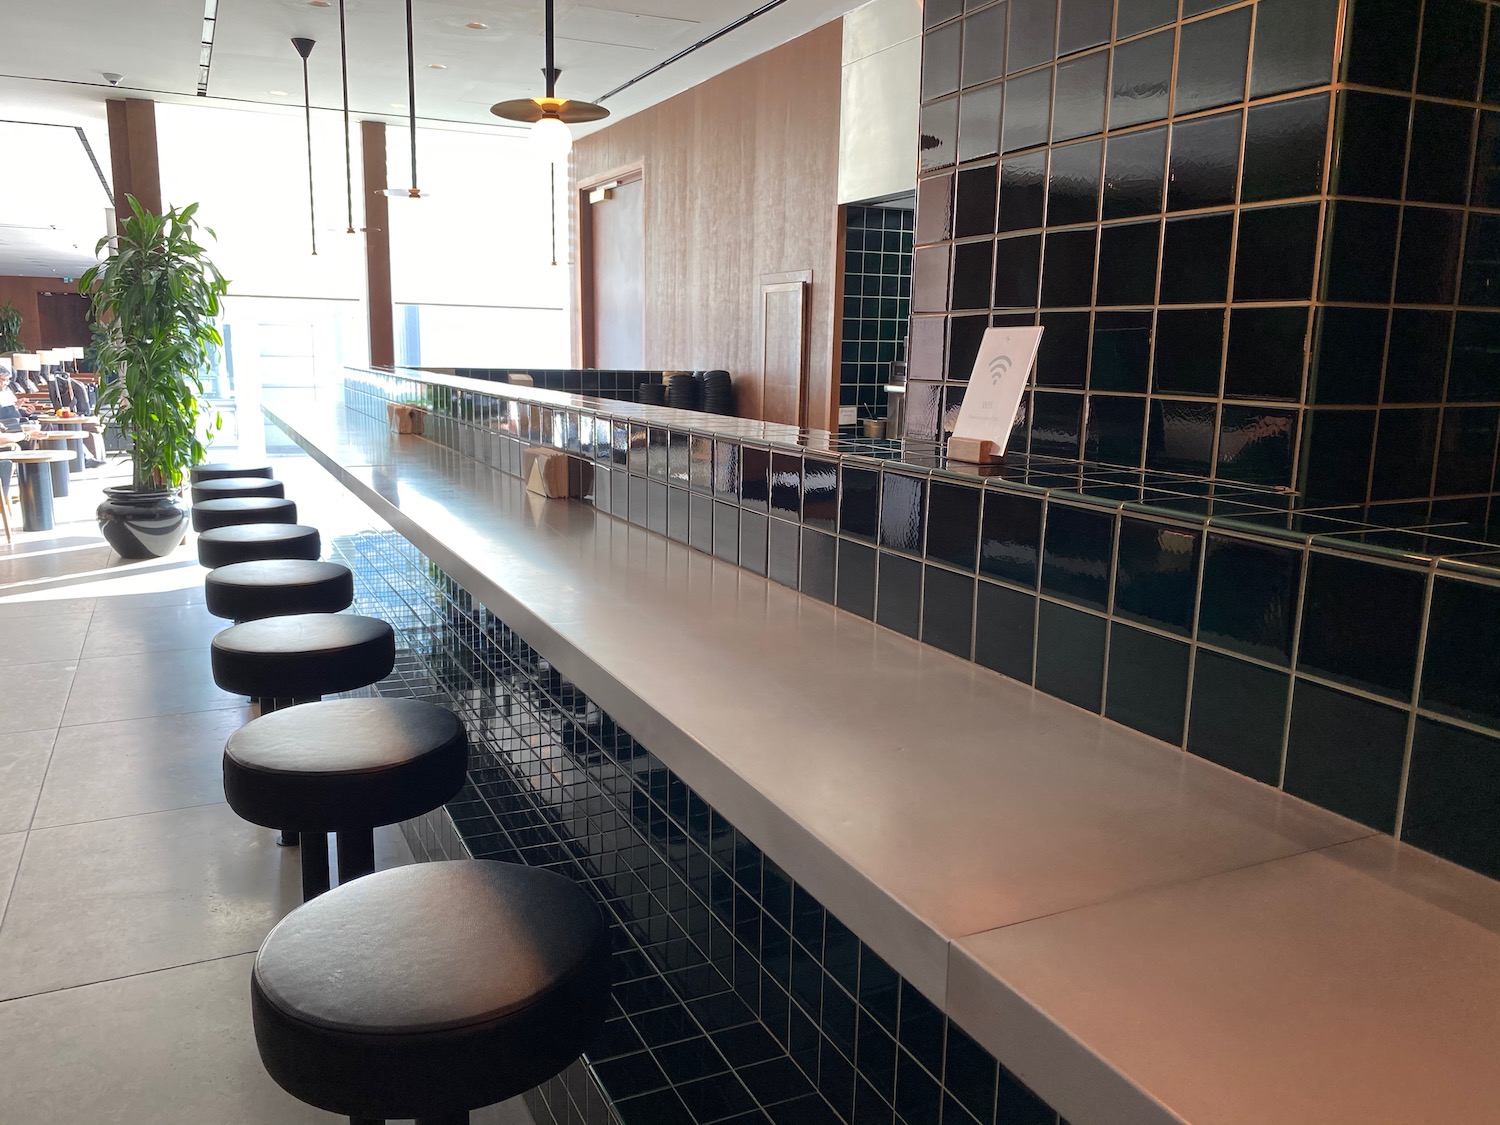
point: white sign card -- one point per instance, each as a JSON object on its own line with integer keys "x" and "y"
{"x": 993, "y": 398}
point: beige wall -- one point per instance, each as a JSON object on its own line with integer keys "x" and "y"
{"x": 741, "y": 180}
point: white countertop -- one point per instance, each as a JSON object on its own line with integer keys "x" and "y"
{"x": 1140, "y": 935}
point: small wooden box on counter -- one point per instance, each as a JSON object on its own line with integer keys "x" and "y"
{"x": 405, "y": 419}
{"x": 552, "y": 473}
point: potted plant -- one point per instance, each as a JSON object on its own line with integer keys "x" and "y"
{"x": 10, "y": 328}
{"x": 155, "y": 298}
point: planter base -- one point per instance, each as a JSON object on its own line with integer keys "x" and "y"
{"x": 142, "y": 525}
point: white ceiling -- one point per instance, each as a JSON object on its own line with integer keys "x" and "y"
{"x": 52, "y": 206}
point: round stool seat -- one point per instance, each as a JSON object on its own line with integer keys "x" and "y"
{"x": 302, "y": 655}
{"x": 248, "y": 591}
{"x": 220, "y": 470}
{"x": 236, "y": 486}
{"x": 243, "y": 509}
{"x": 344, "y": 764}
{"x": 430, "y": 990}
{"x": 248, "y": 542}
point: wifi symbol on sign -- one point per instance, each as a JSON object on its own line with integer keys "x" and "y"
{"x": 999, "y": 366}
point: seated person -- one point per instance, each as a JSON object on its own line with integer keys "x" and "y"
{"x": 11, "y": 413}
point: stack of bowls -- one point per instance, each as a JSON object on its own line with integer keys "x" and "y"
{"x": 718, "y": 392}
{"x": 651, "y": 394}
{"x": 684, "y": 392}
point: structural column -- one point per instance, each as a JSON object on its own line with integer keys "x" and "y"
{"x": 377, "y": 246}
{"x": 132, "y": 153}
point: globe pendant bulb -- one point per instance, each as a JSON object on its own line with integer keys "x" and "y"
{"x": 551, "y": 138}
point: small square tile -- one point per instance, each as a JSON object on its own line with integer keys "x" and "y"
{"x": 1249, "y": 597}
{"x": 755, "y": 478}
{"x": 948, "y": 610}
{"x": 1461, "y": 677}
{"x": 953, "y": 524}
{"x": 819, "y": 561}
{"x": 859, "y": 503}
{"x": 820, "y": 494}
{"x": 656, "y": 506}
{"x": 856, "y": 578}
{"x": 1004, "y": 630}
{"x": 1142, "y": 79}
{"x": 677, "y": 514}
{"x": 1453, "y": 796}
{"x": 1284, "y": 147}
{"x": 1275, "y": 252}
{"x": 1293, "y": 45}
{"x": 1157, "y": 574}
{"x": 899, "y": 602}
{"x": 701, "y": 523}
{"x": 1148, "y": 680}
{"x": 1070, "y": 655}
{"x": 1360, "y": 624}
{"x": 726, "y": 470}
{"x": 783, "y": 550}
{"x": 1381, "y": 44}
{"x": 1238, "y": 715}
{"x": 1076, "y": 562}
{"x": 1212, "y": 61}
{"x": 727, "y": 532}
{"x": 903, "y": 504}
{"x": 1345, "y": 754}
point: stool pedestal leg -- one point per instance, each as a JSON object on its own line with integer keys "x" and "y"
{"x": 314, "y": 865}
{"x": 356, "y": 854}
{"x": 445, "y": 1119}
{"x": 366, "y": 1121}
{"x": 265, "y": 706}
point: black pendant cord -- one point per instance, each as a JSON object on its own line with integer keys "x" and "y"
{"x": 411, "y": 98}
{"x": 304, "y": 48}
{"x": 348, "y": 158}
{"x": 551, "y": 72}
{"x": 552, "y": 207}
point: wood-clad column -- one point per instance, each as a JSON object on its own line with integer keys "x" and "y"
{"x": 132, "y": 153}
{"x": 377, "y": 246}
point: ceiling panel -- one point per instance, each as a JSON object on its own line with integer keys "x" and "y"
{"x": 55, "y": 213}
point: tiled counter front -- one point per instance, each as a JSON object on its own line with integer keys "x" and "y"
{"x": 1354, "y": 667}
{"x": 738, "y": 997}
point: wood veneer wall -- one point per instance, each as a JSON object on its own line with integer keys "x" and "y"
{"x": 741, "y": 180}
{"x": 25, "y": 294}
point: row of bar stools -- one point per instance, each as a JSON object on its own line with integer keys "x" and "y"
{"x": 229, "y": 510}
{"x": 422, "y": 992}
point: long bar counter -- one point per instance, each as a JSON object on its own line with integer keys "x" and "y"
{"x": 1139, "y": 935}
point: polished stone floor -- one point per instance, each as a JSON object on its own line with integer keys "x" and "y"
{"x": 131, "y": 898}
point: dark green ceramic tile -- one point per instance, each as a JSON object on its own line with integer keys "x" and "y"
{"x": 1239, "y": 710}
{"x": 1453, "y": 796}
{"x": 1070, "y": 655}
{"x": 1076, "y": 562}
{"x": 1360, "y": 624}
{"x": 953, "y": 524}
{"x": 819, "y": 562}
{"x": 1345, "y": 753}
{"x": 1010, "y": 537}
{"x": 1157, "y": 574}
{"x": 1249, "y": 599}
{"x": 1148, "y": 678}
{"x": 898, "y": 603}
{"x": 1004, "y": 630}
{"x": 1461, "y": 671}
{"x": 859, "y": 503}
{"x": 856, "y": 578}
{"x": 782, "y": 553}
{"x": 948, "y": 610}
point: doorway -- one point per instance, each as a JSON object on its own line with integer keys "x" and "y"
{"x": 612, "y": 281}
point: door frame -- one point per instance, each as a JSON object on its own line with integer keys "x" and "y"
{"x": 585, "y": 349}
{"x": 800, "y": 281}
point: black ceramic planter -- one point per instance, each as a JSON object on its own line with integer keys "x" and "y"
{"x": 142, "y": 525}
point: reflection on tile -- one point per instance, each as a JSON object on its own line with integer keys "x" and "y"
{"x": 903, "y": 505}
{"x": 1205, "y": 162}
{"x": 1459, "y": 677}
{"x": 859, "y": 503}
{"x": 1142, "y": 80}
{"x": 1134, "y": 174}
{"x": 1156, "y": 574}
{"x": 1010, "y": 537}
{"x": 1284, "y": 148}
{"x": 1212, "y": 61}
{"x": 953, "y": 524}
{"x": 1249, "y": 597}
{"x": 1023, "y": 191}
{"x": 1293, "y": 45}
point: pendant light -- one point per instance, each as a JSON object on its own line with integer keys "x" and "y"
{"x": 304, "y": 48}
{"x": 412, "y": 192}
{"x": 550, "y": 116}
{"x": 348, "y": 157}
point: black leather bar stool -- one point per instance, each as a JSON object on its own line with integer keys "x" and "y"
{"x": 237, "y": 486}
{"x": 345, "y": 766}
{"x": 430, "y": 990}
{"x": 249, "y": 591}
{"x": 249, "y": 542}
{"x": 243, "y": 509}
{"x": 303, "y": 656}
{"x": 222, "y": 470}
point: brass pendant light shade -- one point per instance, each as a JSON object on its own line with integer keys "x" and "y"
{"x": 529, "y": 111}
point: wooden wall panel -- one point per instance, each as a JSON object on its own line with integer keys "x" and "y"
{"x": 24, "y": 293}
{"x": 741, "y": 181}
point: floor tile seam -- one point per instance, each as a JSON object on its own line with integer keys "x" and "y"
{"x": 1170, "y": 884}
{"x": 124, "y": 816}
{"x": 127, "y": 976}
{"x": 46, "y": 770}
{"x": 229, "y": 705}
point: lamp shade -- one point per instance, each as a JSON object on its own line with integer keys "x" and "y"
{"x": 27, "y": 361}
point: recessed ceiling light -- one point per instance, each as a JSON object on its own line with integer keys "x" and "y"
{"x": 398, "y": 105}
{"x": 437, "y": 66}
{"x": 318, "y": 3}
{"x": 277, "y": 93}
{"x": 475, "y": 25}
